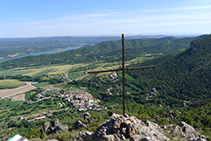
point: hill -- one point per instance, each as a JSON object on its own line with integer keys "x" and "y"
{"x": 10, "y": 47}
{"x": 174, "y": 76}
{"x": 105, "y": 51}
{"x": 180, "y": 77}
{"x": 126, "y": 127}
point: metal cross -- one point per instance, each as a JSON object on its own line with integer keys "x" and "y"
{"x": 123, "y": 73}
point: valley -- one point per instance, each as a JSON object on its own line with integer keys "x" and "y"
{"x": 63, "y": 90}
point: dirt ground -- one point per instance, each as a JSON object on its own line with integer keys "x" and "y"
{"x": 22, "y": 89}
{"x": 19, "y": 97}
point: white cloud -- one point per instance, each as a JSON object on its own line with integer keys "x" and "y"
{"x": 105, "y": 22}
{"x": 203, "y": 7}
{"x": 197, "y": 1}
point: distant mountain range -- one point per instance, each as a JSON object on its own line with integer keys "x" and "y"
{"x": 106, "y": 51}
{"x": 21, "y": 46}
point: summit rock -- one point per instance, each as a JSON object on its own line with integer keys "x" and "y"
{"x": 121, "y": 127}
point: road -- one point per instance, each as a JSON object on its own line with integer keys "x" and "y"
{"x": 66, "y": 74}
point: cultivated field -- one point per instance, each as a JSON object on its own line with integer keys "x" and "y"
{"x": 10, "y": 83}
{"x": 20, "y": 97}
{"x": 47, "y": 70}
{"x": 11, "y": 92}
{"x": 52, "y": 70}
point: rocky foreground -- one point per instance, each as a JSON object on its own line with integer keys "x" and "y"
{"x": 126, "y": 127}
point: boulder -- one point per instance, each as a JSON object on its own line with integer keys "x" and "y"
{"x": 86, "y": 116}
{"x": 187, "y": 129}
{"x": 177, "y": 132}
{"x": 46, "y": 126}
{"x": 108, "y": 138}
{"x": 190, "y": 136}
{"x": 149, "y": 139}
{"x": 130, "y": 128}
{"x": 124, "y": 127}
{"x": 136, "y": 138}
{"x": 117, "y": 123}
{"x": 83, "y": 136}
{"x": 79, "y": 124}
{"x": 135, "y": 120}
{"x": 55, "y": 123}
{"x": 126, "y": 123}
{"x": 114, "y": 116}
{"x": 54, "y": 126}
{"x": 153, "y": 126}
{"x": 126, "y": 115}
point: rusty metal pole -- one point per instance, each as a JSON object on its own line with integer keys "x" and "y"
{"x": 123, "y": 73}
{"x": 123, "y": 76}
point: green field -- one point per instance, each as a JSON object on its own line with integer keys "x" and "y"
{"x": 10, "y": 83}
{"x": 41, "y": 73}
{"x": 27, "y": 95}
{"x": 74, "y": 75}
{"x": 111, "y": 64}
{"x": 42, "y": 84}
{"x": 9, "y": 104}
{"x": 14, "y": 72}
{"x": 129, "y": 77}
{"x": 128, "y": 89}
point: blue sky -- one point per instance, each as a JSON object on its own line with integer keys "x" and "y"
{"x": 41, "y": 18}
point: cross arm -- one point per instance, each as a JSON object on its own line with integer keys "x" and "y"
{"x": 137, "y": 68}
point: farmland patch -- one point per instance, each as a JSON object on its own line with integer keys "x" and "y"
{"x": 11, "y": 92}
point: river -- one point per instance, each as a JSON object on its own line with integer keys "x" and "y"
{"x": 44, "y": 52}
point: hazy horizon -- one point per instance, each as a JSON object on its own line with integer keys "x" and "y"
{"x": 49, "y": 18}
{"x": 126, "y": 35}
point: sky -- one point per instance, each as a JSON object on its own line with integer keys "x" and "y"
{"x": 46, "y": 18}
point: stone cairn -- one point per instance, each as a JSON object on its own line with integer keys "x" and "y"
{"x": 121, "y": 127}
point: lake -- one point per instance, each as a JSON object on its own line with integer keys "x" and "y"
{"x": 44, "y": 52}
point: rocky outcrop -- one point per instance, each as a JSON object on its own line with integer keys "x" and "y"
{"x": 87, "y": 117}
{"x": 78, "y": 124}
{"x": 54, "y": 126}
{"x": 52, "y": 140}
{"x": 84, "y": 136}
{"x": 185, "y": 132}
{"x": 87, "y": 120}
{"x": 126, "y": 127}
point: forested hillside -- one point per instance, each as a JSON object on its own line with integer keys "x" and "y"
{"x": 180, "y": 77}
{"x": 105, "y": 51}
{"x": 19, "y": 46}
{"x": 158, "y": 94}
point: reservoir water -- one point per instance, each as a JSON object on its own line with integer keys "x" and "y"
{"x": 44, "y": 52}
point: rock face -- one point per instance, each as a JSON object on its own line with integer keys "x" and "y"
{"x": 54, "y": 126}
{"x": 79, "y": 124}
{"x": 86, "y": 116}
{"x": 121, "y": 127}
{"x": 87, "y": 120}
{"x": 84, "y": 136}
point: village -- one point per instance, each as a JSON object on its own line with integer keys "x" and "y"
{"x": 81, "y": 100}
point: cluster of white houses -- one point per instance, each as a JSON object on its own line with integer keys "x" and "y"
{"x": 82, "y": 100}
